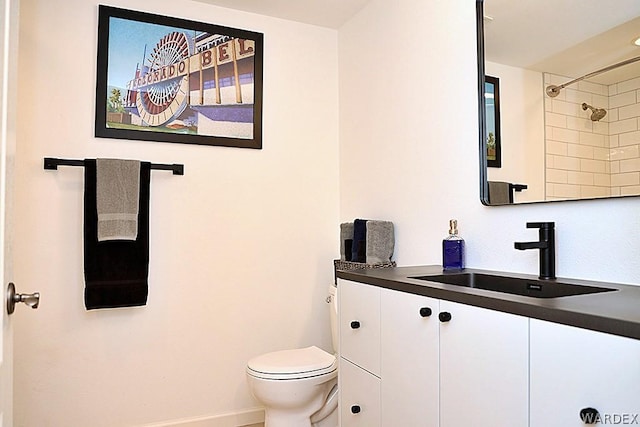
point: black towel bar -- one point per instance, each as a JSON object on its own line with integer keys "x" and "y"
{"x": 52, "y": 163}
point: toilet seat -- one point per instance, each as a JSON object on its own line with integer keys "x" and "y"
{"x": 293, "y": 364}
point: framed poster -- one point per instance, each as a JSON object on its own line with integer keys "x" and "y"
{"x": 167, "y": 79}
{"x": 492, "y": 108}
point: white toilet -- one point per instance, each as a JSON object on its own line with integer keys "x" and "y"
{"x": 299, "y": 388}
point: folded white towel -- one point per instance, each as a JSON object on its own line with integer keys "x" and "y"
{"x": 117, "y": 198}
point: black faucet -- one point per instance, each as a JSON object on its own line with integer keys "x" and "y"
{"x": 547, "y": 246}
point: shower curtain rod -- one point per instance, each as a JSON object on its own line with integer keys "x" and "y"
{"x": 53, "y": 163}
{"x": 553, "y": 90}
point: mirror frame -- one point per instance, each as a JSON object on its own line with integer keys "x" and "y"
{"x": 482, "y": 115}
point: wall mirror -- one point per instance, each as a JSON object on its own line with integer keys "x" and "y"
{"x": 569, "y": 98}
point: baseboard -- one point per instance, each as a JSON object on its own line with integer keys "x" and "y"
{"x": 235, "y": 419}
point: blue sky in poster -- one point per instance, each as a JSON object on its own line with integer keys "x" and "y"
{"x": 127, "y": 40}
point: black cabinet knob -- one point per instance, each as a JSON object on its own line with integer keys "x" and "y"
{"x": 589, "y": 415}
{"x": 355, "y": 324}
{"x": 445, "y": 316}
{"x": 355, "y": 409}
{"x": 425, "y": 312}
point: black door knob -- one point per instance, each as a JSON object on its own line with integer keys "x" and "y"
{"x": 355, "y": 324}
{"x": 589, "y": 415}
{"x": 425, "y": 312}
{"x": 445, "y": 316}
{"x": 355, "y": 409}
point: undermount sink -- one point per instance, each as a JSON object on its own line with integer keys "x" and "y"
{"x": 513, "y": 285}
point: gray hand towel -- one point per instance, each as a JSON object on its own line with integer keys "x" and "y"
{"x": 380, "y": 241}
{"x": 499, "y": 193}
{"x": 346, "y": 233}
{"x": 117, "y": 198}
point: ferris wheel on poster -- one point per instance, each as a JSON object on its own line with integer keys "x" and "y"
{"x": 162, "y": 98}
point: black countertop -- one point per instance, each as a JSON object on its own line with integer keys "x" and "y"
{"x": 615, "y": 313}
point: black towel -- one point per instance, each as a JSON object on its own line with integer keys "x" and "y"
{"x": 359, "y": 245}
{"x": 115, "y": 271}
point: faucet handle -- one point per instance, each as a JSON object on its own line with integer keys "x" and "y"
{"x": 544, "y": 225}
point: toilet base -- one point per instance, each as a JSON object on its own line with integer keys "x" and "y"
{"x": 275, "y": 418}
{"x": 330, "y": 421}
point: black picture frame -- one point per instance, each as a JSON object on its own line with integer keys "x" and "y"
{"x": 493, "y": 140}
{"x": 167, "y": 79}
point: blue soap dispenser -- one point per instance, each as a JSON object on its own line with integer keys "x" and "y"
{"x": 453, "y": 249}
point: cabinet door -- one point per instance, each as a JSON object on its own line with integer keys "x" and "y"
{"x": 409, "y": 359}
{"x": 359, "y": 307}
{"x": 359, "y": 397}
{"x": 484, "y": 368}
{"x": 573, "y": 369}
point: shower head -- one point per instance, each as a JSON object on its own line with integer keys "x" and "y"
{"x": 596, "y": 113}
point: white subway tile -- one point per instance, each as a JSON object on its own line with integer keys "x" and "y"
{"x": 629, "y": 85}
{"x": 591, "y": 87}
{"x": 578, "y": 123}
{"x": 629, "y": 111}
{"x": 555, "y": 120}
{"x": 630, "y": 165}
{"x": 593, "y": 191}
{"x": 624, "y": 179}
{"x": 631, "y": 190}
{"x": 601, "y": 128}
{"x": 566, "y": 163}
{"x": 549, "y": 190}
{"x": 557, "y": 148}
{"x": 581, "y": 151}
{"x": 622, "y": 126}
{"x": 577, "y": 96}
{"x": 592, "y": 139}
{"x": 629, "y": 138}
{"x": 628, "y": 152}
{"x": 557, "y": 79}
{"x": 600, "y": 101}
{"x": 566, "y": 190}
{"x": 565, "y": 135}
{"x": 614, "y": 166}
{"x": 622, "y": 99}
{"x": 581, "y": 178}
{"x": 614, "y": 141}
{"x": 549, "y": 161}
{"x": 602, "y": 179}
{"x": 598, "y": 166}
{"x": 567, "y": 108}
{"x": 600, "y": 153}
{"x": 557, "y": 176}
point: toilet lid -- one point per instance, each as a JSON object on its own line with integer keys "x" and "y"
{"x": 292, "y": 364}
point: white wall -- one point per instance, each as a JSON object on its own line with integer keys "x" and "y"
{"x": 236, "y": 266}
{"x": 241, "y": 245}
{"x": 522, "y": 130}
{"x": 408, "y": 145}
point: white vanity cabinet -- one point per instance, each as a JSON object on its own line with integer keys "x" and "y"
{"x": 484, "y": 367}
{"x": 409, "y": 359}
{"x": 573, "y": 369}
{"x": 359, "y": 345}
{"x": 437, "y": 363}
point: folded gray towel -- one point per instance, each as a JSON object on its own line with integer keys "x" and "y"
{"x": 346, "y": 233}
{"x": 499, "y": 193}
{"x": 117, "y": 198}
{"x": 380, "y": 241}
